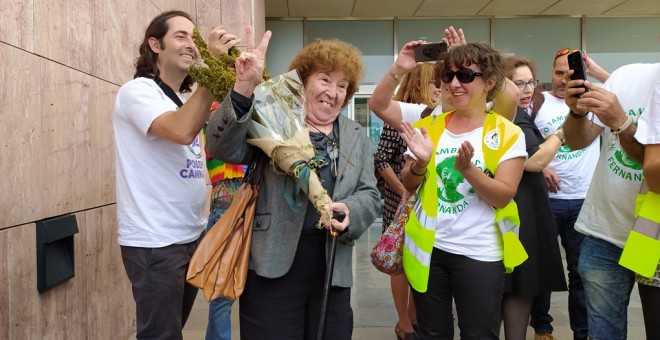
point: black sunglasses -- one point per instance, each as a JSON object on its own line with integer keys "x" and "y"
{"x": 464, "y": 75}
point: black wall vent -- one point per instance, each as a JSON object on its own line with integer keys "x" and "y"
{"x": 55, "y": 257}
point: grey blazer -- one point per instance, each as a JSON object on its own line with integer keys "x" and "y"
{"x": 277, "y": 228}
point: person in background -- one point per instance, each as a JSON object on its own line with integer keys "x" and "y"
{"x": 608, "y": 212}
{"x": 542, "y": 271}
{"x": 284, "y": 287}
{"x": 161, "y": 184}
{"x": 567, "y": 176}
{"x": 417, "y": 87}
{"x": 648, "y": 134}
{"x": 225, "y": 180}
{"x": 453, "y": 246}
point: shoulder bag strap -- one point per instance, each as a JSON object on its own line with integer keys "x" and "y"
{"x": 168, "y": 91}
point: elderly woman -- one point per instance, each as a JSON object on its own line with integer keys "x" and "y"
{"x": 283, "y": 292}
{"x": 466, "y": 165}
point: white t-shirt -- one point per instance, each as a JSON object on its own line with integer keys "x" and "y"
{"x": 648, "y": 125}
{"x": 574, "y": 168}
{"x": 608, "y": 210}
{"x": 466, "y": 222}
{"x": 161, "y": 185}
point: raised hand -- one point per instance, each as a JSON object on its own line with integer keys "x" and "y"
{"x": 454, "y": 38}
{"x": 405, "y": 61}
{"x": 604, "y": 104}
{"x": 220, "y": 41}
{"x": 418, "y": 142}
{"x": 250, "y": 64}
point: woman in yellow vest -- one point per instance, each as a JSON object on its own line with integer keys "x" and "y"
{"x": 466, "y": 165}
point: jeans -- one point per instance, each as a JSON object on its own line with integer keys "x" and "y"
{"x": 219, "y": 325}
{"x": 607, "y": 287}
{"x": 565, "y": 213}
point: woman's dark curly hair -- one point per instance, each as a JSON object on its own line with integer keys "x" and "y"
{"x": 145, "y": 65}
{"x": 483, "y": 55}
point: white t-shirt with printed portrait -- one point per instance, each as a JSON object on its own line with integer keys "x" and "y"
{"x": 574, "y": 168}
{"x": 466, "y": 222}
{"x": 608, "y": 210}
{"x": 161, "y": 185}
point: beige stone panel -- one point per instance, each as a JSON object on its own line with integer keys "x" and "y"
{"x": 259, "y": 19}
{"x": 112, "y": 310}
{"x": 21, "y": 261}
{"x": 235, "y": 16}
{"x": 50, "y": 29}
{"x": 17, "y": 24}
{"x": 63, "y": 308}
{"x": 4, "y": 287}
{"x": 187, "y": 6}
{"x": 63, "y": 32}
{"x": 209, "y": 15}
{"x": 20, "y": 150}
{"x": 119, "y": 27}
{"x": 65, "y": 139}
{"x": 101, "y": 162}
{"x": 80, "y": 42}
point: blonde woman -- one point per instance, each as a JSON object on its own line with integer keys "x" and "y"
{"x": 417, "y": 87}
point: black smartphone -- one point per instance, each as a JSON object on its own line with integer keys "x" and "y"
{"x": 576, "y": 63}
{"x": 429, "y": 52}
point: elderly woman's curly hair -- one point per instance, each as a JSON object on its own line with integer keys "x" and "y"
{"x": 328, "y": 56}
{"x": 483, "y": 55}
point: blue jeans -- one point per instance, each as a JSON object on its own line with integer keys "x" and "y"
{"x": 607, "y": 287}
{"x": 219, "y": 326}
{"x": 565, "y": 213}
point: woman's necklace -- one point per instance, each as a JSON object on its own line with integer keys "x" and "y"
{"x": 332, "y": 146}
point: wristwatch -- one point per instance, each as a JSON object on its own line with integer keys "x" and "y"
{"x": 560, "y": 135}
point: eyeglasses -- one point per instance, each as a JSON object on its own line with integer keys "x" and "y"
{"x": 522, "y": 84}
{"x": 565, "y": 51}
{"x": 464, "y": 75}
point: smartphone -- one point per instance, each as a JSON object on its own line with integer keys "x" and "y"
{"x": 576, "y": 63}
{"x": 429, "y": 52}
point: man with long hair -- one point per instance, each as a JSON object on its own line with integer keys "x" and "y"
{"x": 161, "y": 176}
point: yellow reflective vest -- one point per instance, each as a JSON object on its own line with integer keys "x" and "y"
{"x": 641, "y": 253}
{"x": 420, "y": 228}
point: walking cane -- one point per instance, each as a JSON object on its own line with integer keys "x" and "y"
{"x": 330, "y": 265}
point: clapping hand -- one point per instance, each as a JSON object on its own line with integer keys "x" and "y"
{"x": 464, "y": 157}
{"x": 419, "y": 142}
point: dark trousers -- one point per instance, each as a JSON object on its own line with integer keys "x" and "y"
{"x": 476, "y": 287}
{"x": 163, "y": 298}
{"x": 650, "y": 297}
{"x": 565, "y": 213}
{"x": 288, "y": 307}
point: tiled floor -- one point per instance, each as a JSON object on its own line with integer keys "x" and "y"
{"x": 374, "y": 311}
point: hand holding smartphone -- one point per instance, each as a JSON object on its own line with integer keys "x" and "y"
{"x": 576, "y": 63}
{"x": 429, "y": 52}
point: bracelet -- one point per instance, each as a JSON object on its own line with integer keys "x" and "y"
{"x": 560, "y": 135}
{"x": 416, "y": 174}
{"x": 577, "y": 116}
{"x": 395, "y": 76}
{"x": 623, "y": 127}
